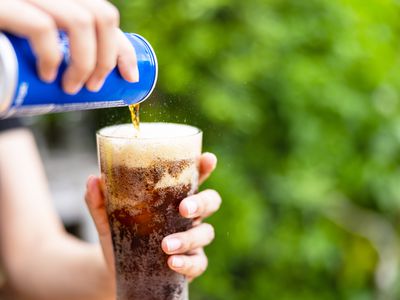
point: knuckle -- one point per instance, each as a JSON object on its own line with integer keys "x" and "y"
{"x": 126, "y": 50}
{"x": 109, "y": 16}
{"x": 43, "y": 25}
{"x": 103, "y": 68}
{"x": 83, "y": 68}
{"x": 191, "y": 266}
{"x": 202, "y": 267}
{"x": 205, "y": 202}
{"x": 82, "y": 20}
{"x": 210, "y": 229}
{"x": 202, "y": 200}
{"x": 188, "y": 243}
{"x": 214, "y": 195}
{"x": 80, "y": 71}
{"x": 214, "y": 198}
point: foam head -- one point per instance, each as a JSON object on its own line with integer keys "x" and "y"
{"x": 155, "y": 141}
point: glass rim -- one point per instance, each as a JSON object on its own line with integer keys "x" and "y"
{"x": 197, "y": 131}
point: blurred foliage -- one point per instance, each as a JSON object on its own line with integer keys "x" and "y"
{"x": 300, "y": 101}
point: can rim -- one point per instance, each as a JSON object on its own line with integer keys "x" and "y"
{"x": 155, "y": 66}
{"x": 9, "y": 70}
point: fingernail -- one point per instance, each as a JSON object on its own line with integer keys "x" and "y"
{"x": 49, "y": 76}
{"x": 95, "y": 85}
{"x": 53, "y": 75}
{"x": 177, "y": 262}
{"x": 72, "y": 88}
{"x": 191, "y": 206}
{"x": 173, "y": 244}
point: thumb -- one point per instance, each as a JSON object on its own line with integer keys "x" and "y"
{"x": 95, "y": 201}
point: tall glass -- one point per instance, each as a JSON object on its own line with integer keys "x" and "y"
{"x": 145, "y": 179}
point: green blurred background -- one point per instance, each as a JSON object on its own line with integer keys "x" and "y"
{"x": 299, "y": 99}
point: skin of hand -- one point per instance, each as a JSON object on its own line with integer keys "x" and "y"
{"x": 97, "y": 45}
{"x": 185, "y": 248}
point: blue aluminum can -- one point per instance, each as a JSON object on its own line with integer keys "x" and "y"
{"x": 22, "y": 92}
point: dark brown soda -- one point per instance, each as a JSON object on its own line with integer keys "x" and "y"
{"x": 141, "y": 215}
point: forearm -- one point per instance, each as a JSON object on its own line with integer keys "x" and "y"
{"x": 85, "y": 274}
{"x": 64, "y": 269}
{"x": 41, "y": 260}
